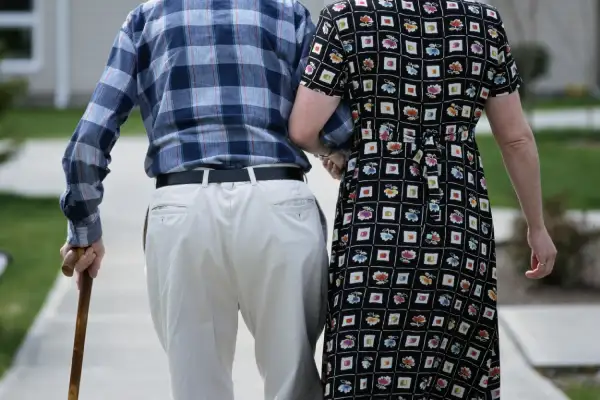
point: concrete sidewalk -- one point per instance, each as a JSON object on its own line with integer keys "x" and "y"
{"x": 577, "y": 118}
{"x": 123, "y": 357}
{"x": 547, "y": 336}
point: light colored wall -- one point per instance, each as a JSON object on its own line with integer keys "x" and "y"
{"x": 41, "y": 83}
{"x": 569, "y": 30}
{"x": 94, "y": 25}
{"x": 314, "y": 6}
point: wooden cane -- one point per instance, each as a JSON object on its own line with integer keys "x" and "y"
{"x": 83, "y": 308}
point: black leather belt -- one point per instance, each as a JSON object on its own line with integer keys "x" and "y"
{"x": 229, "y": 175}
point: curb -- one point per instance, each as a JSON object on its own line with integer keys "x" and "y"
{"x": 549, "y": 391}
{"x": 56, "y": 294}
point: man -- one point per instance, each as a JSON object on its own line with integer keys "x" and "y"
{"x": 232, "y": 225}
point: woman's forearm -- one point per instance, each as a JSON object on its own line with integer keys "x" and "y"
{"x": 312, "y": 144}
{"x": 522, "y": 164}
{"x": 310, "y": 114}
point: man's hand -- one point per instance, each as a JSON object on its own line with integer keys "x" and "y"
{"x": 90, "y": 261}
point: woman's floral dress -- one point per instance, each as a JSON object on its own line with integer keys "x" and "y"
{"x": 412, "y": 295}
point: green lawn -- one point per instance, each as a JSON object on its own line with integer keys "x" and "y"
{"x": 50, "y": 123}
{"x": 33, "y": 229}
{"x": 570, "y": 164}
{"x": 550, "y": 103}
{"x": 565, "y": 168}
{"x": 583, "y": 392}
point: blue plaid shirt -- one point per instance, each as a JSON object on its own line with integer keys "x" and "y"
{"x": 215, "y": 85}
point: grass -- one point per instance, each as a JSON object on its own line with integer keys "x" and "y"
{"x": 50, "y": 123}
{"x": 551, "y": 103}
{"x": 32, "y": 232}
{"x": 583, "y": 392}
{"x": 570, "y": 164}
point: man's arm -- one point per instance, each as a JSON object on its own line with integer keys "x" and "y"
{"x": 87, "y": 156}
{"x": 336, "y": 133}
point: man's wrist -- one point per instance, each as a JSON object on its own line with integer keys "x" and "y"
{"x": 83, "y": 235}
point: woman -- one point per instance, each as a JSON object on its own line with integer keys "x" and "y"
{"x": 412, "y": 297}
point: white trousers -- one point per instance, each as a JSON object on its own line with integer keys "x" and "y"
{"x": 256, "y": 247}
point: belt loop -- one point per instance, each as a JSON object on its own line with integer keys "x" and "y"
{"x": 205, "y": 178}
{"x": 252, "y": 175}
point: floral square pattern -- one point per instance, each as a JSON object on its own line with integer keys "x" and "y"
{"x": 412, "y": 280}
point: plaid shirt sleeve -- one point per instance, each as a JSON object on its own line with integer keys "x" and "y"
{"x": 337, "y": 132}
{"x": 86, "y": 159}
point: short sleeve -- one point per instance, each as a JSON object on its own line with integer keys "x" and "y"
{"x": 502, "y": 74}
{"x": 326, "y": 70}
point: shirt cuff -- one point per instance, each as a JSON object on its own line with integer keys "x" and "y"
{"x": 334, "y": 145}
{"x": 340, "y": 136}
{"x": 84, "y": 233}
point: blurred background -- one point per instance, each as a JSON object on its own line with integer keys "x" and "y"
{"x": 52, "y": 53}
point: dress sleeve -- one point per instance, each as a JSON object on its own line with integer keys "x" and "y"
{"x": 502, "y": 73}
{"x": 326, "y": 71}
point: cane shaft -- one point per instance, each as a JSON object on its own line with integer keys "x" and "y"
{"x": 80, "y": 331}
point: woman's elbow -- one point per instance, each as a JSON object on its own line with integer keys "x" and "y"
{"x": 300, "y": 137}
{"x": 517, "y": 138}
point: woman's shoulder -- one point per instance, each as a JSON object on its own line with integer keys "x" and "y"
{"x": 337, "y": 8}
{"x": 489, "y": 12}
{"x": 344, "y": 6}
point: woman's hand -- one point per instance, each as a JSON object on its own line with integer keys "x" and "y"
{"x": 339, "y": 159}
{"x": 543, "y": 253}
{"x": 333, "y": 170}
{"x": 335, "y": 164}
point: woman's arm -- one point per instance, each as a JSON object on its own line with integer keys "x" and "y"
{"x": 519, "y": 151}
{"x": 337, "y": 129}
{"x": 310, "y": 113}
{"x": 320, "y": 91}
{"x": 517, "y": 144}
{"x": 514, "y": 136}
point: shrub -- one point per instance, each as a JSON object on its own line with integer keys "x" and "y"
{"x": 533, "y": 60}
{"x": 574, "y": 240}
